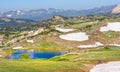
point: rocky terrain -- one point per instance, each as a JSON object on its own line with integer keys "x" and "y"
{"x": 86, "y": 41}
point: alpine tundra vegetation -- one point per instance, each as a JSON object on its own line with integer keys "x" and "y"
{"x": 81, "y": 37}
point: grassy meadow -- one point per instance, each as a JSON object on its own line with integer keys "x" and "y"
{"x": 79, "y": 61}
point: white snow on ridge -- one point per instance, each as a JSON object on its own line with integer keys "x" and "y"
{"x": 80, "y": 36}
{"x": 9, "y": 15}
{"x": 19, "y": 12}
{"x": 115, "y": 26}
{"x": 64, "y": 30}
{"x": 97, "y": 44}
{"x": 107, "y": 67}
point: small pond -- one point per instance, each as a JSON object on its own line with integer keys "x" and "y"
{"x": 33, "y": 54}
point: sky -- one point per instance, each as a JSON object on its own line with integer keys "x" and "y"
{"x": 7, "y": 5}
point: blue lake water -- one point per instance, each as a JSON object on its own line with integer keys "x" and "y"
{"x": 34, "y": 54}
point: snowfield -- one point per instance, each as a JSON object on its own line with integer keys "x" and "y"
{"x": 111, "y": 27}
{"x": 107, "y": 67}
{"x": 97, "y": 44}
{"x": 80, "y": 36}
{"x": 64, "y": 30}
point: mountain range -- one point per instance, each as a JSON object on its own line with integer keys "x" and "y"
{"x": 43, "y": 14}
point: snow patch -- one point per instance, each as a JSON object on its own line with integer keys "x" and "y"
{"x": 18, "y": 47}
{"x": 19, "y": 12}
{"x": 9, "y": 15}
{"x": 107, "y": 67}
{"x": 30, "y": 41}
{"x": 118, "y": 45}
{"x": 111, "y": 26}
{"x": 104, "y": 29}
{"x": 80, "y": 36}
{"x": 64, "y": 30}
{"x": 97, "y": 44}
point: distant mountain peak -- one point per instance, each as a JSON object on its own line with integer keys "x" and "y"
{"x": 43, "y": 14}
{"x": 116, "y": 10}
{"x": 19, "y": 12}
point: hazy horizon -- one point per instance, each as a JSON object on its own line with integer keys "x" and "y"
{"x": 26, "y": 5}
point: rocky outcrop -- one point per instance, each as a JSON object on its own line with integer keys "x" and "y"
{"x": 116, "y": 10}
{"x": 58, "y": 18}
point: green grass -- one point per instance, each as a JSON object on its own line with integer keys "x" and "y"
{"x": 104, "y": 55}
{"x": 38, "y": 65}
{"x": 65, "y": 63}
{"x": 44, "y": 45}
{"x": 24, "y": 56}
{"x": 110, "y": 34}
{"x": 81, "y": 25}
{"x": 110, "y": 53}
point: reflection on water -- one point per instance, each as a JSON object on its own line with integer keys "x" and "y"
{"x": 34, "y": 54}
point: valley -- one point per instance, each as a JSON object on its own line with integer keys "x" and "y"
{"x": 76, "y": 44}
